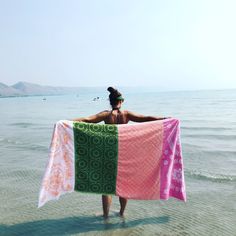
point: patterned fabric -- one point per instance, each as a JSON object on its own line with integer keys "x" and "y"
{"x": 140, "y": 149}
{"x": 172, "y": 173}
{"x": 96, "y": 151}
{"x": 135, "y": 161}
{"x": 59, "y": 176}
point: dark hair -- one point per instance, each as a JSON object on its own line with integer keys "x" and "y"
{"x": 114, "y": 94}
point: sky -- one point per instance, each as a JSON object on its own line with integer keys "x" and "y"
{"x": 170, "y": 45}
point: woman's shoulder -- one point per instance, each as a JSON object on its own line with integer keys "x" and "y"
{"x": 105, "y": 112}
{"x": 126, "y": 112}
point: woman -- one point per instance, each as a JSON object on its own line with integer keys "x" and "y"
{"x": 116, "y": 116}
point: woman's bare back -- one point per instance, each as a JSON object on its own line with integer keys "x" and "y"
{"x": 116, "y": 117}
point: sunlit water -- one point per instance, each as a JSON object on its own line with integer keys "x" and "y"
{"x": 208, "y": 133}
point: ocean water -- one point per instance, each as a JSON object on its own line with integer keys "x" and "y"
{"x": 208, "y": 134}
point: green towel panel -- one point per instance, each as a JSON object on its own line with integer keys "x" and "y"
{"x": 96, "y": 154}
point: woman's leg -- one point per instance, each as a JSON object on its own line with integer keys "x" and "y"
{"x": 106, "y": 203}
{"x": 123, "y": 202}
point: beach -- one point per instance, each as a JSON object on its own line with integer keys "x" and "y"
{"x": 208, "y": 134}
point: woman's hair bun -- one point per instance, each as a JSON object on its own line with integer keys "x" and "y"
{"x": 114, "y": 94}
{"x": 111, "y": 90}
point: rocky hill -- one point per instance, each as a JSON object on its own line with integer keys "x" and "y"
{"x": 8, "y": 91}
{"x": 30, "y": 89}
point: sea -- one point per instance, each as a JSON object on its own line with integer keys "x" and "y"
{"x": 208, "y": 137}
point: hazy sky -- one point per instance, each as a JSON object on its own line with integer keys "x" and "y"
{"x": 169, "y": 44}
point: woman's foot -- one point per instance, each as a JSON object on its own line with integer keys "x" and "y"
{"x": 121, "y": 214}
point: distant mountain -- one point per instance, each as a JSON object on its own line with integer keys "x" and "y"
{"x": 8, "y": 91}
{"x": 30, "y": 89}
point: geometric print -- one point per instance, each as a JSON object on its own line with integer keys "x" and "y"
{"x": 96, "y": 152}
{"x": 139, "y": 160}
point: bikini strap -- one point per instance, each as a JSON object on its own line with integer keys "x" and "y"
{"x": 118, "y": 117}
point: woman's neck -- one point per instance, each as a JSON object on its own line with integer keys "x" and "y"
{"x": 115, "y": 108}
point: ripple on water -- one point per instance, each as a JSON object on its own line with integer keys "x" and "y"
{"x": 213, "y": 177}
{"x": 22, "y": 124}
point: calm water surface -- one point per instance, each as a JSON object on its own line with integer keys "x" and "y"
{"x": 208, "y": 132}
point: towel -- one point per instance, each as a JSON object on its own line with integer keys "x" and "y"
{"x": 135, "y": 161}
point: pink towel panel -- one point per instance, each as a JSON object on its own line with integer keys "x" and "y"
{"x": 172, "y": 174}
{"x": 139, "y": 160}
{"x": 59, "y": 174}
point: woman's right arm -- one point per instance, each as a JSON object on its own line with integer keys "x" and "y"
{"x": 141, "y": 118}
{"x": 94, "y": 118}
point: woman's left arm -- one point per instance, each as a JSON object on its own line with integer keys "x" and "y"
{"x": 141, "y": 118}
{"x": 101, "y": 116}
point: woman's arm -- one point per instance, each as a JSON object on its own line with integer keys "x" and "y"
{"x": 141, "y": 118}
{"x": 94, "y": 118}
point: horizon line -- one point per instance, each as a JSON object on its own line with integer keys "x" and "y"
{"x": 127, "y": 86}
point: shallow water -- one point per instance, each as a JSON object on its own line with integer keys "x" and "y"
{"x": 208, "y": 132}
